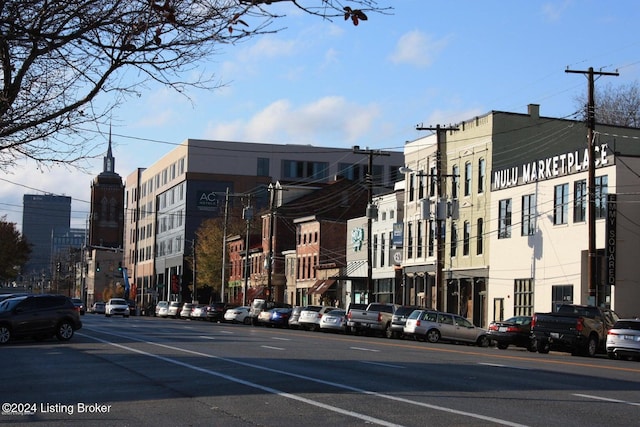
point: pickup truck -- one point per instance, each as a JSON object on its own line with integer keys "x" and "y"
{"x": 376, "y": 318}
{"x": 577, "y": 329}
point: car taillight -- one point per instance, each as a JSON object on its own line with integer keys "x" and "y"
{"x": 580, "y": 324}
{"x": 612, "y": 333}
{"x": 417, "y": 323}
{"x": 349, "y": 315}
{"x": 319, "y": 315}
{"x": 379, "y": 316}
{"x": 493, "y": 327}
{"x": 513, "y": 329}
{"x": 533, "y": 322}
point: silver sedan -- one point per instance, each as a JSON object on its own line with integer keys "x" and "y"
{"x": 334, "y": 320}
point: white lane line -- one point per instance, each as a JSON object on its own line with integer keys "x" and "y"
{"x": 302, "y": 377}
{"x": 206, "y": 337}
{"x": 364, "y": 349}
{"x": 281, "y": 339}
{"x": 386, "y": 365}
{"x": 271, "y": 347}
{"x": 606, "y": 399}
{"x": 272, "y": 390}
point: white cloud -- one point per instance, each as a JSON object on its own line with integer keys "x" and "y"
{"x": 418, "y": 49}
{"x": 554, "y": 11}
{"x": 326, "y": 121}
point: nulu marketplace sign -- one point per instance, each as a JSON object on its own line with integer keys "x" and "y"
{"x": 551, "y": 167}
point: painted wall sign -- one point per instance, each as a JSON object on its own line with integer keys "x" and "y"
{"x": 551, "y": 167}
{"x": 398, "y": 233}
{"x": 612, "y": 210}
{"x": 357, "y": 237}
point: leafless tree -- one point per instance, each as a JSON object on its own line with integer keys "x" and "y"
{"x": 59, "y": 57}
{"x": 615, "y": 105}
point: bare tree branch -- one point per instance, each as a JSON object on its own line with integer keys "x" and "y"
{"x": 59, "y": 57}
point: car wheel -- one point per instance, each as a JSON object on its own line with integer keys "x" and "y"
{"x": 107, "y": 315}
{"x": 126, "y": 316}
{"x": 502, "y": 346}
{"x": 388, "y": 332}
{"x": 246, "y": 321}
{"x": 5, "y": 334}
{"x": 542, "y": 347}
{"x": 612, "y": 355}
{"x": 592, "y": 347}
{"x": 433, "y": 335}
{"x": 64, "y": 331}
{"x": 483, "y": 341}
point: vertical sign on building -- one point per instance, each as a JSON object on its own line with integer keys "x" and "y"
{"x": 611, "y": 239}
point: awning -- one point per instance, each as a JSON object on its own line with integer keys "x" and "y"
{"x": 321, "y": 286}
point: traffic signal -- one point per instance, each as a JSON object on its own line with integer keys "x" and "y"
{"x": 97, "y": 266}
{"x": 119, "y": 266}
{"x": 58, "y": 267}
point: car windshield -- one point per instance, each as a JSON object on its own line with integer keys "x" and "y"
{"x": 118, "y": 302}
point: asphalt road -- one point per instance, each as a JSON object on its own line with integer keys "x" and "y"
{"x": 145, "y": 371}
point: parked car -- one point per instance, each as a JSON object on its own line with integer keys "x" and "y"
{"x": 174, "y": 310}
{"x": 294, "y": 319}
{"x": 79, "y": 305}
{"x": 513, "y": 331}
{"x": 573, "y": 328}
{"x": 199, "y": 312}
{"x": 623, "y": 339}
{"x": 77, "y": 302}
{"x": 376, "y": 318}
{"x": 216, "y": 310}
{"x": 39, "y": 317}
{"x": 117, "y": 307}
{"x": 260, "y": 305}
{"x": 310, "y": 316}
{"x": 264, "y": 317}
{"x": 280, "y": 317}
{"x": 98, "y": 307}
{"x": 398, "y": 320}
{"x": 132, "y": 307}
{"x": 334, "y": 320}
{"x": 434, "y": 326}
{"x": 187, "y": 308}
{"x": 237, "y": 315}
{"x": 162, "y": 309}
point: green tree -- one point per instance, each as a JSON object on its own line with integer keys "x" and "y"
{"x": 14, "y": 250}
{"x": 59, "y": 57}
{"x": 209, "y": 238}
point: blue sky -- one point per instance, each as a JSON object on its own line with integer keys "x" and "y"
{"x": 333, "y": 84}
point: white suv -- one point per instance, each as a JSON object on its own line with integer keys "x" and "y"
{"x": 117, "y": 307}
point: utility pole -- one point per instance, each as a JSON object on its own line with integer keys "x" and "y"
{"x": 247, "y": 215}
{"x": 224, "y": 245}
{"x": 591, "y": 178}
{"x": 371, "y": 212}
{"x": 440, "y": 218}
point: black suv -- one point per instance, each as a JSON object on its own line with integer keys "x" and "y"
{"x": 38, "y": 316}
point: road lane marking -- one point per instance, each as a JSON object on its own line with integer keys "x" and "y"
{"x": 302, "y": 377}
{"x": 606, "y": 399}
{"x": 281, "y": 339}
{"x": 206, "y": 337}
{"x": 386, "y": 365}
{"x": 498, "y": 365}
{"x": 364, "y": 349}
{"x": 271, "y": 347}
{"x": 267, "y": 389}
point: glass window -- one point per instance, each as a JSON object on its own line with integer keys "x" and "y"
{"x": 419, "y": 232}
{"x": 467, "y": 179}
{"x": 454, "y": 239}
{"x": 528, "y": 215}
{"x": 580, "y": 201}
{"x": 602, "y": 189}
{"x": 263, "y": 166}
{"x": 560, "y": 204}
{"x": 481, "y": 175}
{"x": 504, "y": 219}
{"x": 432, "y": 236}
{"x": 523, "y": 297}
{"x": 455, "y": 181}
{"x": 480, "y": 237}
{"x": 466, "y": 238}
{"x": 409, "y": 240}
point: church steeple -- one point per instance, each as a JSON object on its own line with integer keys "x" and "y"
{"x": 109, "y": 161}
